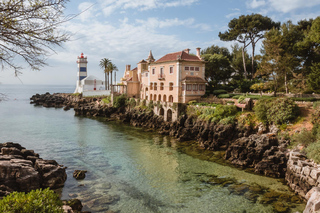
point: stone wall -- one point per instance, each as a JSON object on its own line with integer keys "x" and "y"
{"x": 302, "y": 173}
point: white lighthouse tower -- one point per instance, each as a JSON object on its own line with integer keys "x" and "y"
{"x": 82, "y": 72}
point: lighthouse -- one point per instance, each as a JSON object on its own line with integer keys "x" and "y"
{"x": 82, "y": 72}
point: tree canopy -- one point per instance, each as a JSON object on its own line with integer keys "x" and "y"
{"x": 248, "y": 29}
{"x": 29, "y": 30}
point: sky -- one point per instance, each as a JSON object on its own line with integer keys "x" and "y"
{"x": 126, "y": 30}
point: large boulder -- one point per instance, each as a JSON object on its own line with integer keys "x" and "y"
{"x": 22, "y": 170}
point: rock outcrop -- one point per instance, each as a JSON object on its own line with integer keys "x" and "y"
{"x": 22, "y": 170}
{"x": 262, "y": 152}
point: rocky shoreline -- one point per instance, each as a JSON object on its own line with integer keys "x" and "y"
{"x": 23, "y": 170}
{"x": 258, "y": 148}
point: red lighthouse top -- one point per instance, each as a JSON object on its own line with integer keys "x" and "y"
{"x": 81, "y": 55}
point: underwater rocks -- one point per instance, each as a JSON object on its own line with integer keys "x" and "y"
{"x": 263, "y": 152}
{"x": 22, "y": 170}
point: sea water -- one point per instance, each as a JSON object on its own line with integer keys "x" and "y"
{"x": 128, "y": 169}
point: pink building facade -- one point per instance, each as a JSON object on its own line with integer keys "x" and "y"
{"x": 175, "y": 78}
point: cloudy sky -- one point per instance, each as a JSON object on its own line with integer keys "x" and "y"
{"x": 126, "y": 30}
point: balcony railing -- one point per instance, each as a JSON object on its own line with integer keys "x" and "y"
{"x": 161, "y": 76}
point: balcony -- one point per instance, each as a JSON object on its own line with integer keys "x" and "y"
{"x": 161, "y": 77}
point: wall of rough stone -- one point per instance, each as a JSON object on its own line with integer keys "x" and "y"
{"x": 302, "y": 173}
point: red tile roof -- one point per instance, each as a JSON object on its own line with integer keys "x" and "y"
{"x": 194, "y": 79}
{"x": 182, "y": 55}
{"x": 134, "y": 69}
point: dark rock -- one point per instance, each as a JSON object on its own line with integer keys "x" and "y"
{"x": 22, "y": 170}
{"x": 79, "y": 174}
{"x": 75, "y": 204}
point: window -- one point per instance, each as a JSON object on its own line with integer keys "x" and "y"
{"x": 153, "y": 71}
{"x": 151, "y": 86}
{"x": 83, "y": 69}
{"x": 191, "y": 68}
{"x": 161, "y": 86}
{"x": 186, "y": 68}
{"x": 171, "y": 98}
{"x": 164, "y": 98}
{"x": 171, "y": 86}
{"x": 195, "y": 87}
{"x": 155, "y": 86}
{"x": 201, "y": 87}
{"x": 191, "y": 73}
{"x": 189, "y": 87}
{"x": 197, "y": 68}
{"x": 171, "y": 70}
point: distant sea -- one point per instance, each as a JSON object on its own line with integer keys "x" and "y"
{"x": 128, "y": 169}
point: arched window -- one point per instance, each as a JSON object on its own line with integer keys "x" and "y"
{"x": 164, "y": 98}
{"x": 151, "y": 86}
{"x": 171, "y": 98}
{"x": 150, "y": 97}
{"x": 154, "y": 97}
{"x": 159, "y": 98}
{"x": 170, "y": 86}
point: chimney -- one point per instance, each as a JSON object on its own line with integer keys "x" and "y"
{"x": 187, "y": 51}
{"x": 128, "y": 67}
{"x": 198, "y": 52}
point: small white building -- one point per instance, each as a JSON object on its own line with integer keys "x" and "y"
{"x": 91, "y": 83}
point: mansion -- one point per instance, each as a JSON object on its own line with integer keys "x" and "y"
{"x": 175, "y": 78}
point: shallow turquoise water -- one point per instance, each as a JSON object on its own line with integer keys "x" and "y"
{"x": 144, "y": 171}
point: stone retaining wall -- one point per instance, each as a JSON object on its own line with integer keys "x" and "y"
{"x": 302, "y": 173}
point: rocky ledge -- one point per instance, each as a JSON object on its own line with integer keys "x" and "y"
{"x": 23, "y": 170}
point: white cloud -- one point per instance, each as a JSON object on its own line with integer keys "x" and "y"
{"x": 155, "y": 23}
{"x": 283, "y": 6}
{"x": 256, "y": 3}
{"x": 231, "y": 15}
{"x": 111, "y": 5}
{"x": 286, "y": 6}
{"x": 87, "y": 11}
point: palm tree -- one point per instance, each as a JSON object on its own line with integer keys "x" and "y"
{"x": 112, "y": 67}
{"x": 104, "y": 65}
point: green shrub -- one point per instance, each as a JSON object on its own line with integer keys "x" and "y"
{"x": 219, "y": 91}
{"x": 107, "y": 100}
{"x": 151, "y": 105}
{"x": 277, "y": 111}
{"x": 304, "y": 138}
{"x": 260, "y": 109}
{"x": 119, "y": 101}
{"x": 144, "y": 103}
{"x": 313, "y": 151}
{"x": 304, "y": 99}
{"x": 46, "y": 201}
{"x": 282, "y": 110}
{"x": 316, "y": 104}
{"x": 132, "y": 102}
{"x": 241, "y": 99}
{"x": 224, "y": 111}
{"x": 227, "y": 120}
{"x": 224, "y": 96}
